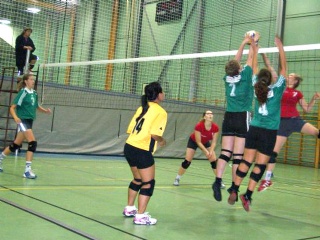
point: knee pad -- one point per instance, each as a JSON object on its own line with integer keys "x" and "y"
{"x": 185, "y": 164}
{"x": 241, "y": 174}
{"x": 13, "y": 147}
{"x": 214, "y": 165}
{"x": 237, "y": 160}
{"x": 273, "y": 157}
{"x": 148, "y": 191}
{"x": 257, "y": 176}
{"x": 32, "y": 146}
{"x": 134, "y": 186}
{"x": 224, "y": 157}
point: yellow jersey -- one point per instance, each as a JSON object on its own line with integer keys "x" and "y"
{"x": 152, "y": 123}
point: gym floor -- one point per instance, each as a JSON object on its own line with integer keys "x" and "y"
{"x": 82, "y": 197}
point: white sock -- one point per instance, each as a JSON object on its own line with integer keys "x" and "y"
{"x": 178, "y": 176}
{"x": 28, "y": 166}
{"x": 268, "y": 175}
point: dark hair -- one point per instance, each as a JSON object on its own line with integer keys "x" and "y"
{"x": 21, "y": 83}
{"x": 151, "y": 92}
{"x": 203, "y": 114}
{"x": 232, "y": 68}
{"x": 261, "y": 87}
{"x": 298, "y": 78}
{"x": 26, "y": 29}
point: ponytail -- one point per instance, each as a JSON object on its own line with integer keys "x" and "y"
{"x": 151, "y": 92}
{"x": 261, "y": 87}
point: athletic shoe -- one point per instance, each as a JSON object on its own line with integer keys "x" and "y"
{"x": 144, "y": 219}
{"x": 216, "y": 187}
{"x": 233, "y": 196}
{"x": 29, "y": 174}
{"x": 176, "y": 182}
{"x": 129, "y": 211}
{"x": 264, "y": 185}
{"x": 246, "y": 202}
{"x": 222, "y": 185}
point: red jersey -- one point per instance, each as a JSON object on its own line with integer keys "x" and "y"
{"x": 206, "y": 135}
{"x": 289, "y": 101}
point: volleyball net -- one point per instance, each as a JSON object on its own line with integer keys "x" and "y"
{"x": 185, "y": 78}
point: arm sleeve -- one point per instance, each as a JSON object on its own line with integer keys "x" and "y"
{"x": 159, "y": 124}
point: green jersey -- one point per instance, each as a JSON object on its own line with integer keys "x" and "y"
{"x": 267, "y": 115}
{"x": 27, "y": 103}
{"x": 239, "y": 91}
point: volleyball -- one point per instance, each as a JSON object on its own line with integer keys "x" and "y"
{"x": 253, "y": 34}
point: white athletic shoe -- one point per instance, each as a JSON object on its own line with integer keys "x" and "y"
{"x": 129, "y": 211}
{"x": 176, "y": 182}
{"x": 144, "y": 219}
{"x": 29, "y": 174}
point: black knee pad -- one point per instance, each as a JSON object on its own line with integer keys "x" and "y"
{"x": 32, "y": 146}
{"x": 238, "y": 159}
{"x": 148, "y": 191}
{"x": 185, "y": 164}
{"x": 273, "y": 157}
{"x": 134, "y": 186}
{"x": 319, "y": 134}
{"x": 257, "y": 176}
{"x": 241, "y": 174}
{"x": 224, "y": 157}
{"x": 214, "y": 165}
{"x": 13, "y": 147}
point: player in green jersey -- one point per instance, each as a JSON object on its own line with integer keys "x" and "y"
{"x": 262, "y": 133}
{"x": 239, "y": 95}
{"x": 23, "y": 110}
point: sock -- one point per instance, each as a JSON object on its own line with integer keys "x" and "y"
{"x": 218, "y": 180}
{"x": 2, "y": 156}
{"x": 268, "y": 176}
{"x": 236, "y": 188}
{"x": 248, "y": 194}
{"x": 178, "y": 176}
{"x": 233, "y": 185}
{"x": 28, "y": 166}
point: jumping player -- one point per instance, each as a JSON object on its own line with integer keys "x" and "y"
{"x": 239, "y": 95}
{"x": 262, "y": 133}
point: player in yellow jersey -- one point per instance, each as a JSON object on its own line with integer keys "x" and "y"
{"x": 146, "y": 129}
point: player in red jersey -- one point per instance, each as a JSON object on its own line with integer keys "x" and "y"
{"x": 205, "y": 137}
{"x": 290, "y": 119}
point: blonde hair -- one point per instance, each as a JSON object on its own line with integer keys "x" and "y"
{"x": 21, "y": 83}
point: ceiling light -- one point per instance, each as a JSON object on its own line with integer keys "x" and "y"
{"x": 5, "y": 21}
{"x": 33, "y": 10}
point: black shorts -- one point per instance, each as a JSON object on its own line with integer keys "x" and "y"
{"x": 236, "y": 124}
{"x": 192, "y": 144}
{"x": 290, "y": 125}
{"x": 137, "y": 157}
{"x": 25, "y": 125}
{"x": 261, "y": 139}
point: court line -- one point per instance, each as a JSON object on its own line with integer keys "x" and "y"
{"x": 66, "y": 210}
{"x": 49, "y": 219}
